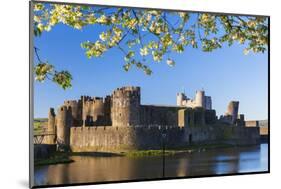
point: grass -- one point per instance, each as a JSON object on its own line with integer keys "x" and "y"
{"x": 171, "y": 152}
{"x": 39, "y": 124}
{"x": 63, "y": 157}
{"x": 142, "y": 153}
{"x": 56, "y": 158}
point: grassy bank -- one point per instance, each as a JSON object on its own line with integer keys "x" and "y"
{"x": 56, "y": 158}
{"x": 142, "y": 153}
{"x": 64, "y": 157}
{"x": 174, "y": 151}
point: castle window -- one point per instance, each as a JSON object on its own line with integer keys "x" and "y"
{"x": 120, "y": 114}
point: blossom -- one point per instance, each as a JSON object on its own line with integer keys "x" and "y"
{"x": 144, "y": 51}
{"x": 171, "y": 62}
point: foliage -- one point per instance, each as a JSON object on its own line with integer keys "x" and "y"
{"x": 141, "y": 35}
{"x": 45, "y": 70}
{"x": 56, "y": 158}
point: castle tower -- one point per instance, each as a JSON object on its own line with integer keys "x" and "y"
{"x": 208, "y": 102}
{"x": 200, "y": 99}
{"x": 97, "y": 111}
{"x": 232, "y": 110}
{"x": 76, "y": 107}
{"x": 64, "y": 122}
{"x": 51, "y": 125}
{"x": 180, "y": 99}
{"x": 87, "y": 103}
{"x": 126, "y": 106}
{"x": 92, "y": 111}
{"x": 107, "y": 110}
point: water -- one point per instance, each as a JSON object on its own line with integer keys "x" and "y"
{"x": 100, "y": 169}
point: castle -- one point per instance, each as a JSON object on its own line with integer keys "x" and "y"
{"x": 120, "y": 122}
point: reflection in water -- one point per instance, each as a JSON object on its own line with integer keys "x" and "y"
{"x": 210, "y": 162}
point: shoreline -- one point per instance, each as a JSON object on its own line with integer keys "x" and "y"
{"x": 65, "y": 157}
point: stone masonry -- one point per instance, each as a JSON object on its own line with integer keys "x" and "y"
{"x": 120, "y": 122}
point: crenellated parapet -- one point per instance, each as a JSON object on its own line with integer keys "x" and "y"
{"x": 92, "y": 110}
{"x": 127, "y": 92}
{"x": 200, "y": 100}
{"x": 76, "y": 106}
{"x": 120, "y": 122}
{"x": 126, "y": 106}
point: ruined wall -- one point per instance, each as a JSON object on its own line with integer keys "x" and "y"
{"x": 150, "y": 137}
{"x": 181, "y": 99}
{"x": 252, "y": 123}
{"x": 200, "y": 99}
{"x": 159, "y": 115}
{"x": 232, "y": 110}
{"x": 51, "y": 128}
{"x": 263, "y": 131}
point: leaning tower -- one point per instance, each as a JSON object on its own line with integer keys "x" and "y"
{"x": 126, "y": 107}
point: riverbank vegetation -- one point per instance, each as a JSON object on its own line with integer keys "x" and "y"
{"x": 65, "y": 157}
{"x": 56, "y": 158}
{"x": 175, "y": 151}
{"x": 39, "y": 124}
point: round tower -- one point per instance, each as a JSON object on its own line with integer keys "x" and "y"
{"x": 200, "y": 99}
{"x": 126, "y": 106}
{"x": 76, "y": 107}
{"x": 232, "y": 109}
{"x": 64, "y": 122}
{"x": 87, "y": 103}
{"x": 51, "y": 125}
{"x": 97, "y": 112}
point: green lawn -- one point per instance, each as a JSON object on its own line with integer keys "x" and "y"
{"x": 39, "y": 124}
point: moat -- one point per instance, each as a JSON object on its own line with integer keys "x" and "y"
{"x": 209, "y": 162}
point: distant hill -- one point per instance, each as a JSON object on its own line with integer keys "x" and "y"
{"x": 40, "y": 119}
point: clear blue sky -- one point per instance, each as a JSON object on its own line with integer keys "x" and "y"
{"x": 225, "y": 74}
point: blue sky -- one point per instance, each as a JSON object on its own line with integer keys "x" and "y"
{"x": 225, "y": 74}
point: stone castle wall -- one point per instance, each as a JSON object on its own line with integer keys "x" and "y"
{"x": 159, "y": 115}
{"x": 119, "y": 122}
{"x": 83, "y": 139}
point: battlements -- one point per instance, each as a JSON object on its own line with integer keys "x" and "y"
{"x": 86, "y": 99}
{"x": 120, "y": 121}
{"x": 127, "y": 92}
{"x": 123, "y": 108}
{"x": 70, "y": 102}
{"x": 200, "y": 100}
